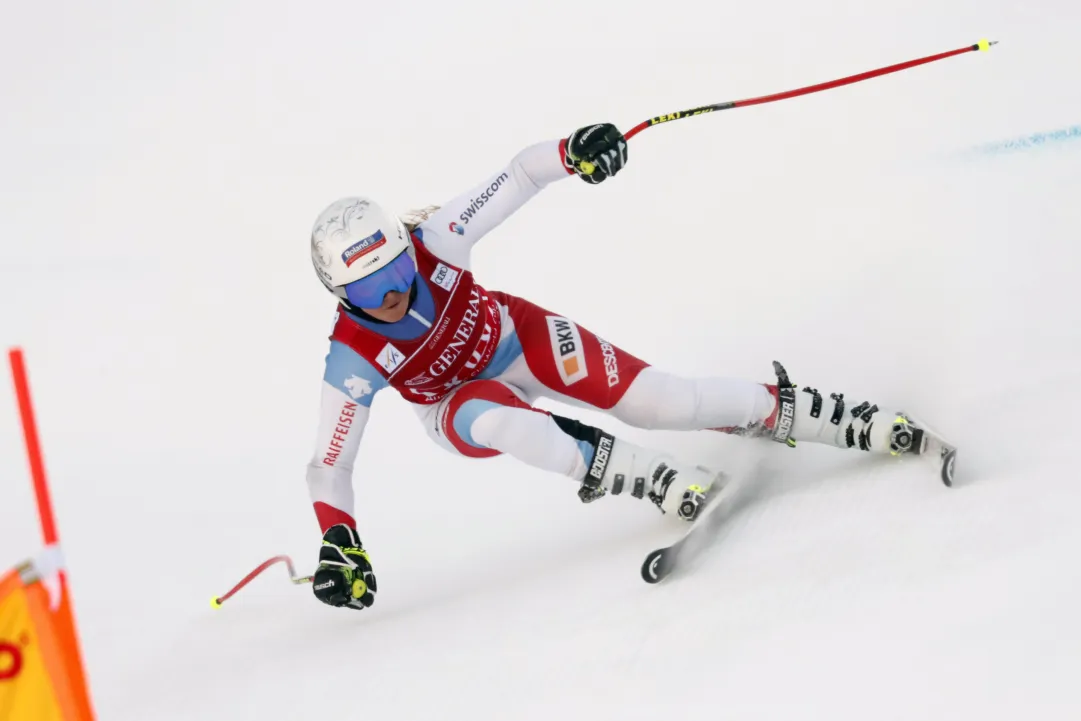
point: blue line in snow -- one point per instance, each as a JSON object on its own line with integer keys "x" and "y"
{"x": 1030, "y": 142}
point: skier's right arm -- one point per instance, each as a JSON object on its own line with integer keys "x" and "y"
{"x": 349, "y": 384}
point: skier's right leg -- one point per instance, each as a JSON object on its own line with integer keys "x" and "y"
{"x": 485, "y": 418}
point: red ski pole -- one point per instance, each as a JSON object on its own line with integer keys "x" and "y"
{"x": 217, "y": 601}
{"x": 982, "y": 45}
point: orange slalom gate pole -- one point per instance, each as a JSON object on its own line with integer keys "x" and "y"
{"x": 64, "y": 616}
{"x": 33, "y": 447}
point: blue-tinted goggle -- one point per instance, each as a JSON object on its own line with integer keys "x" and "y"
{"x": 368, "y": 292}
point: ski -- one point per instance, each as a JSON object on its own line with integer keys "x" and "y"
{"x": 662, "y": 561}
{"x": 927, "y": 444}
{"x": 909, "y": 436}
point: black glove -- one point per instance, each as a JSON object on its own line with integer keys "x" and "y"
{"x": 344, "y": 576}
{"x": 595, "y": 152}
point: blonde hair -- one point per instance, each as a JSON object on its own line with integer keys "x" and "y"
{"x": 412, "y": 218}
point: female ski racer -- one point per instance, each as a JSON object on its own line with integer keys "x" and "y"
{"x": 471, "y": 362}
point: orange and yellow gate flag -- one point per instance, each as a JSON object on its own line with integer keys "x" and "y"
{"x": 41, "y": 676}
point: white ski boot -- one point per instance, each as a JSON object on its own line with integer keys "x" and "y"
{"x": 804, "y": 415}
{"x": 619, "y": 466}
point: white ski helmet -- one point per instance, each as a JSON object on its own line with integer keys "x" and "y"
{"x": 361, "y": 252}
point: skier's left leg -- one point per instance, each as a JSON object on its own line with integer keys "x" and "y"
{"x": 568, "y": 363}
{"x": 779, "y": 411}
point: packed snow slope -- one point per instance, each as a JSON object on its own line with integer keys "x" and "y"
{"x": 160, "y": 168}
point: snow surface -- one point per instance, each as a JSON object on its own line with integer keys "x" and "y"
{"x": 160, "y": 166}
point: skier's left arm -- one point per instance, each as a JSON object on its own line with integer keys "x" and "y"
{"x": 461, "y": 222}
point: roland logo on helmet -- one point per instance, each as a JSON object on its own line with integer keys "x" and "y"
{"x": 362, "y": 247}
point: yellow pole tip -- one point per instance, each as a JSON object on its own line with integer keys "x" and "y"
{"x": 985, "y": 45}
{"x": 215, "y": 602}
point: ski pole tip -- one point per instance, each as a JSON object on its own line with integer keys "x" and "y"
{"x": 984, "y": 45}
{"x": 215, "y": 602}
